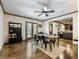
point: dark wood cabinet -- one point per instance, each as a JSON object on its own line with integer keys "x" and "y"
{"x": 69, "y": 27}
{"x": 15, "y": 34}
{"x": 68, "y": 36}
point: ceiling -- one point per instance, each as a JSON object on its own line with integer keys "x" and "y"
{"x": 65, "y": 21}
{"x": 26, "y": 8}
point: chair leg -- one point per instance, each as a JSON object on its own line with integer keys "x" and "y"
{"x": 57, "y": 42}
{"x": 50, "y": 44}
{"x": 34, "y": 42}
{"x": 45, "y": 46}
{"x": 41, "y": 44}
{"x": 37, "y": 42}
{"x": 54, "y": 44}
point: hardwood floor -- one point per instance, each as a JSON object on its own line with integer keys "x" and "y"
{"x": 71, "y": 51}
{"x": 26, "y": 50}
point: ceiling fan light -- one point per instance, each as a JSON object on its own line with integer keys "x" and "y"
{"x": 45, "y": 8}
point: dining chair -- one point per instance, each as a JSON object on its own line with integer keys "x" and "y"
{"x": 45, "y": 41}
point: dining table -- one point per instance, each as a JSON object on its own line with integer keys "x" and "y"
{"x": 51, "y": 39}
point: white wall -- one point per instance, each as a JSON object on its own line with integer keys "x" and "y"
{"x": 11, "y": 18}
{"x": 55, "y": 27}
{"x": 75, "y": 27}
{"x": 75, "y": 24}
{"x": 62, "y": 28}
{"x": 45, "y": 27}
{"x": 1, "y": 27}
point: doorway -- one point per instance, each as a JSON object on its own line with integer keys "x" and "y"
{"x": 50, "y": 29}
{"x": 31, "y": 29}
{"x": 63, "y": 28}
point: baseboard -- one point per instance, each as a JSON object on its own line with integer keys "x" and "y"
{"x": 75, "y": 39}
{"x": 6, "y": 43}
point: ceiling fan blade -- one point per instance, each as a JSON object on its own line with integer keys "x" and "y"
{"x": 38, "y": 11}
{"x": 40, "y": 14}
{"x": 51, "y": 11}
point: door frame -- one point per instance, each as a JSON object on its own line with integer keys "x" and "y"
{"x": 50, "y": 28}
{"x": 32, "y": 29}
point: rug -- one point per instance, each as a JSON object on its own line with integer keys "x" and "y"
{"x": 55, "y": 51}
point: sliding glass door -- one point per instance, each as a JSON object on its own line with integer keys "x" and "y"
{"x": 31, "y": 29}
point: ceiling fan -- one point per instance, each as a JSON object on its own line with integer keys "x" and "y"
{"x": 45, "y": 11}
